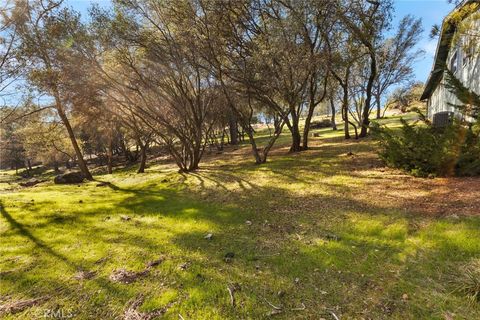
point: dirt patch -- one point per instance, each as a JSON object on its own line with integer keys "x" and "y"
{"x": 154, "y": 263}
{"x": 126, "y": 276}
{"x": 132, "y": 312}
{"x": 84, "y": 275}
{"x": 12, "y": 307}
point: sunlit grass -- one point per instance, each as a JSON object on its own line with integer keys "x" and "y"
{"x": 313, "y": 240}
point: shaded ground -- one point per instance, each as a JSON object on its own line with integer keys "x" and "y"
{"x": 305, "y": 236}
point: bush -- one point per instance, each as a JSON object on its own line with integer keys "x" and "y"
{"x": 325, "y": 123}
{"x": 423, "y": 150}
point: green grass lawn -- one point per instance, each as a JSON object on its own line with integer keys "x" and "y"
{"x": 311, "y": 234}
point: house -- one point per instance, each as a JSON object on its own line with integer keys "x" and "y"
{"x": 457, "y": 49}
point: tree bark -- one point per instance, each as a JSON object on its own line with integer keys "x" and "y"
{"x": 232, "y": 126}
{"x": 295, "y": 131}
{"x": 28, "y": 168}
{"x": 143, "y": 159}
{"x": 379, "y": 114}
{"x": 256, "y": 154}
{"x": 332, "y": 106}
{"x": 55, "y": 167}
{"x": 110, "y": 155}
{"x": 81, "y": 162}
{"x": 345, "y": 112}
{"x": 368, "y": 99}
{"x": 196, "y": 157}
{"x": 306, "y": 129}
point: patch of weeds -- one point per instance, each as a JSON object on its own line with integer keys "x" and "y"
{"x": 467, "y": 281}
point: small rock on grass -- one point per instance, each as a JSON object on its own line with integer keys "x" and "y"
{"x": 183, "y": 266}
{"x": 125, "y": 218}
{"x": 248, "y": 223}
{"x": 333, "y": 237}
{"x": 228, "y": 257}
{"x": 30, "y": 183}
{"x": 154, "y": 263}
{"x": 209, "y": 236}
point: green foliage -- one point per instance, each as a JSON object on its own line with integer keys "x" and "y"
{"x": 468, "y": 280}
{"x": 470, "y": 100}
{"x": 468, "y": 163}
{"x": 423, "y": 150}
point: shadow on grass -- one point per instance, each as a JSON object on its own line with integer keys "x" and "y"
{"x": 39, "y": 243}
{"x": 22, "y": 281}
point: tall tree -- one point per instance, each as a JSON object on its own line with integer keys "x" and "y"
{"x": 395, "y": 58}
{"x": 47, "y": 39}
{"x": 367, "y": 21}
{"x": 161, "y": 79}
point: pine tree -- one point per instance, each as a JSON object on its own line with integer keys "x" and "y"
{"x": 470, "y": 100}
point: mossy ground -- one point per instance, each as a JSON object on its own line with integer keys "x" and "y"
{"x": 330, "y": 232}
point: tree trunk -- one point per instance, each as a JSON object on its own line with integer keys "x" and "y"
{"x": 345, "y": 112}
{"x": 242, "y": 135}
{"x": 306, "y": 129}
{"x": 256, "y": 154}
{"x": 295, "y": 131}
{"x": 110, "y": 156}
{"x": 366, "y": 108}
{"x": 379, "y": 114}
{"x": 232, "y": 126}
{"x": 143, "y": 158}
{"x": 27, "y": 168}
{"x": 81, "y": 162}
{"x": 196, "y": 154}
{"x": 332, "y": 106}
{"x": 55, "y": 167}
{"x": 29, "y": 164}
{"x": 222, "y": 141}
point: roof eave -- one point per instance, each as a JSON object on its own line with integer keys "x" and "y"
{"x": 441, "y": 53}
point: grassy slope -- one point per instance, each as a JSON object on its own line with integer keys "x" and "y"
{"x": 297, "y": 203}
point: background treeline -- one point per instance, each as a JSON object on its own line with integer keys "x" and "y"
{"x": 177, "y": 77}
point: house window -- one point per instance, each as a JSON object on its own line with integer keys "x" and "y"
{"x": 454, "y": 63}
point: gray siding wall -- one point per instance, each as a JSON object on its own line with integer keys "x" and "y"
{"x": 468, "y": 71}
